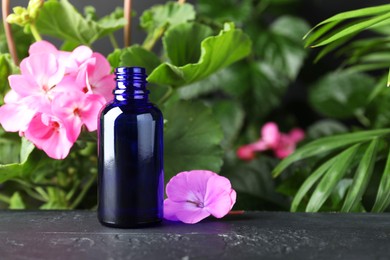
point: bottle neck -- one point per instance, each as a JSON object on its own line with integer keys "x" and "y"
{"x": 131, "y": 84}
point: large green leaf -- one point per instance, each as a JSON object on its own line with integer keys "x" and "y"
{"x": 22, "y": 39}
{"x": 231, "y": 117}
{"x": 257, "y": 85}
{"x": 362, "y": 177}
{"x": 187, "y": 49}
{"x": 254, "y": 184}
{"x": 7, "y": 67}
{"x": 327, "y": 144}
{"x": 138, "y": 56}
{"x": 349, "y": 94}
{"x": 325, "y": 127}
{"x": 192, "y": 138}
{"x": 160, "y": 17}
{"x": 172, "y": 13}
{"x": 225, "y": 10}
{"x": 332, "y": 176}
{"x": 28, "y": 162}
{"x": 217, "y": 52}
{"x": 281, "y": 46}
{"x": 61, "y": 20}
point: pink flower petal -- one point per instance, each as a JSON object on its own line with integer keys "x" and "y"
{"x": 270, "y": 134}
{"x": 42, "y": 47}
{"x": 194, "y": 195}
{"x": 12, "y": 97}
{"x": 104, "y": 87}
{"x": 15, "y": 117}
{"x": 24, "y": 85}
{"x": 170, "y": 210}
{"x": 246, "y": 152}
{"x": 44, "y": 69}
{"x": 49, "y": 134}
{"x": 285, "y": 147}
{"x": 218, "y": 197}
{"x": 186, "y": 212}
{"x": 89, "y": 113}
{"x": 297, "y": 135}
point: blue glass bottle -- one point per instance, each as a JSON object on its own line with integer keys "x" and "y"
{"x": 130, "y": 137}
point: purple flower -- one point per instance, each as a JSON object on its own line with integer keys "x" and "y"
{"x": 195, "y": 195}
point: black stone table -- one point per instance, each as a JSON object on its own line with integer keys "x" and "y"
{"x": 252, "y": 235}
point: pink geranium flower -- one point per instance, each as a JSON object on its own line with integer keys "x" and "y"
{"x": 271, "y": 139}
{"x": 77, "y": 109}
{"x": 57, "y": 93}
{"x": 48, "y": 133}
{"x": 195, "y": 195}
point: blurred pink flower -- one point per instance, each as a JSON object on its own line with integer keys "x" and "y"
{"x": 195, "y": 195}
{"x": 271, "y": 139}
{"x": 56, "y": 94}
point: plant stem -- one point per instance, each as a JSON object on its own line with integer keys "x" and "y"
{"x": 127, "y": 28}
{"x": 8, "y": 32}
{"x": 167, "y": 95}
{"x": 113, "y": 41}
{"x": 85, "y": 189}
{"x": 35, "y": 33}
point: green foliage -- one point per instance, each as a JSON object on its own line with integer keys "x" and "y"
{"x": 61, "y": 20}
{"x": 218, "y": 52}
{"x": 192, "y": 138}
{"x": 160, "y": 17}
{"x": 341, "y": 94}
{"x": 328, "y": 174}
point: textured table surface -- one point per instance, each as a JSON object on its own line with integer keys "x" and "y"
{"x": 253, "y": 235}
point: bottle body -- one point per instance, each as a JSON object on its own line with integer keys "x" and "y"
{"x": 130, "y": 158}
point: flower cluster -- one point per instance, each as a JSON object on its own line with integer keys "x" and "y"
{"x": 271, "y": 139}
{"x": 195, "y": 195}
{"x": 56, "y": 94}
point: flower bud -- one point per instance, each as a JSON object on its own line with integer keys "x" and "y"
{"x": 33, "y": 8}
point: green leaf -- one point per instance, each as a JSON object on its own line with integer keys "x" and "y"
{"x": 192, "y": 138}
{"x": 350, "y": 92}
{"x": 363, "y": 12}
{"x": 327, "y": 144}
{"x": 253, "y": 181}
{"x": 255, "y": 83}
{"x": 353, "y": 28}
{"x": 18, "y": 169}
{"x": 112, "y": 22}
{"x": 233, "y": 10}
{"x": 281, "y": 46}
{"x": 160, "y": 17}
{"x": 332, "y": 176}
{"x": 9, "y": 148}
{"x": 218, "y": 52}
{"x": 382, "y": 200}
{"x": 231, "y": 117}
{"x": 187, "y": 49}
{"x": 362, "y": 177}
{"x": 114, "y": 58}
{"x": 172, "y": 13}
{"x": 325, "y": 127}
{"x": 309, "y": 182}
{"x": 60, "y": 19}
{"x": 7, "y": 68}
{"x": 138, "y": 56}
{"x": 16, "y": 201}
